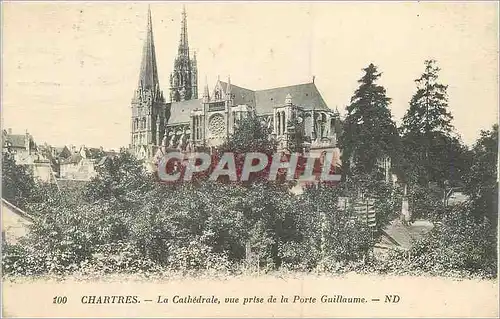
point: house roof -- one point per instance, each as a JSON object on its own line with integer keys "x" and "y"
{"x": 14, "y": 222}
{"x": 304, "y": 95}
{"x": 16, "y": 140}
{"x": 404, "y": 236}
{"x": 73, "y": 159}
{"x": 16, "y": 210}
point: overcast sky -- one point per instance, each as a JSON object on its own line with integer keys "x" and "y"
{"x": 70, "y": 69}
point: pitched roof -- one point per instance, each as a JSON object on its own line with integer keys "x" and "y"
{"x": 16, "y": 140}
{"x": 16, "y": 210}
{"x": 241, "y": 95}
{"x": 180, "y": 112}
{"x": 406, "y": 235}
{"x": 304, "y": 95}
{"x": 14, "y": 222}
{"x": 73, "y": 159}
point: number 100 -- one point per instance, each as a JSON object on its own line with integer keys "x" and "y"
{"x": 60, "y": 300}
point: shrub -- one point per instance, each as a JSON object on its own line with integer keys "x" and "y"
{"x": 196, "y": 256}
{"x": 118, "y": 257}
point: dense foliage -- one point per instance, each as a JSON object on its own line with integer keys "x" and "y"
{"x": 432, "y": 151}
{"x": 369, "y": 133}
{"x": 18, "y": 184}
{"x": 482, "y": 179}
{"x": 123, "y": 220}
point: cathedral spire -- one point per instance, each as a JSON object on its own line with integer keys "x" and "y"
{"x": 228, "y": 88}
{"x": 148, "y": 77}
{"x": 206, "y": 94}
{"x": 184, "y": 78}
{"x": 183, "y": 43}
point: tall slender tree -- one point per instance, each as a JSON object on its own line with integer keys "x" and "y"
{"x": 432, "y": 152}
{"x": 369, "y": 132}
{"x": 428, "y": 110}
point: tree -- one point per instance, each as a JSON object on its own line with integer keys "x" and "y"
{"x": 296, "y": 133}
{"x": 431, "y": 151}
{"x": 428, "y": 106}
{"x": 118, "y": 177}
{"x": 18, "y": 183}
{"x": 324, "y": 234}
{"x": 250, "y": 136}
{"x": 482, "y": 180}
{"x": 369, "y": 132}
{"x": 458, "y": 242}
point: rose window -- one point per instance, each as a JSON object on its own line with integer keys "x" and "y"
{"x": 216, "y": 125}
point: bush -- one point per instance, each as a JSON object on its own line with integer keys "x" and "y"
{"x": 119, "y": 257}
{"x": 197, "y": 256}
{"x": 18, "y": 260}
{"x": 124, "y": 222}
{"x": 426, "y": 202}
{"x": 457, "y": 246}
{"x": 300, "y": 256}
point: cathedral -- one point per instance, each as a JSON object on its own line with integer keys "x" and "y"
{"x": 183, "y": 121}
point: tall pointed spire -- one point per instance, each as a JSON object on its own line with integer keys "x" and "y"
{"x": 148, "y": 77}
{"x": 147, "y": 127}
{"x": 183, "y": 43}
{"x": 184, "y": 78}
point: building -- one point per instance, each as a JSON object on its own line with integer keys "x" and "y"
{"x": 187, "y": 123}
{"x": 23, "y": 146}
{"x": 15, "y": 222}
{"x": 26, "y": 152}
{"x": 80, "y": 165}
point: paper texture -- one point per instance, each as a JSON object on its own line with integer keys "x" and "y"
{"x": 77, "y": 77}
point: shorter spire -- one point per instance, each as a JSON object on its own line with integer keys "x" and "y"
{"x": 228, "y": 88}
{"x": 183, "y": 43}
{"x": 206, "y": 94}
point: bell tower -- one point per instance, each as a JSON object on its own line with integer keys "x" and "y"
{"x": 184, "y": 78}
{"x": 148, "y": 103}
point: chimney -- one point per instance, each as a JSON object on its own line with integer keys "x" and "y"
{"x": 405, "y": 209}
{"x": 9, "y": 130}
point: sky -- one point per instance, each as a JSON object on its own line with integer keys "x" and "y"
{"x": 69, "y": 70}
